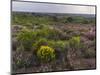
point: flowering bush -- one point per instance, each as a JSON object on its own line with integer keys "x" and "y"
{"x": 46, "y": 53}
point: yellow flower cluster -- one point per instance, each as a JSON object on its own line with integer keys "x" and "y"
{"x": 46, "y": 53}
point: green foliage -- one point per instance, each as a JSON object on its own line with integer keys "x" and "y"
{"x": 40, "y": 42}
{"x": 75, "y": 42}
{"x": 29, "y": 19}
{"x": 69, "y": 19}
{"x": 26, "y": 39}
{"x": 48, "y": 33}
{"x": 78, "y": 19}
{"x": 42, "y": 33}
{"x": 46, "y": 54}
{"x": 59, "y": 45}
{"x": 53, "y": 34}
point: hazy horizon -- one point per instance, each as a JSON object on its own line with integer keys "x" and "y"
{"x": 51, "y": 8}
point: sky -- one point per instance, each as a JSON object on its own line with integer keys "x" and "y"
{"x": 51, "y": 8}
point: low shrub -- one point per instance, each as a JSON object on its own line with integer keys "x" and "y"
{"x": 61, "y": 48}
{"x": 48, "y": 33}
{"x": 74, "y": 42}
{"x": 26, "y": 38}
{"x": 46, "y": 54}
{"x": 40, "y": 42}
{"x": 42, "y": 33}
{"x": 61, "y": 45}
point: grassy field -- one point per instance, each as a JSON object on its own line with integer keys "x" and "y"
{"x": 52, "y": 42}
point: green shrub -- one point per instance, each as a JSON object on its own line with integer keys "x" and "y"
{"x": 40, "y": 42}
{"x": 74, "y": 42}
{"x": 48, "y": 33}
{"x": 61, "y": 48}
{"x": 26, "y": 38}
{"x": 41, "y": 33}
{"x": 61, "y": 45}
{"x": 69, "y": 19}
{"x": 46, "y": 53}
{"x": 28, "y": 19}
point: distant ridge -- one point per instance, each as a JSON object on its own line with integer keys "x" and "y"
{"x": 58, "y": 14}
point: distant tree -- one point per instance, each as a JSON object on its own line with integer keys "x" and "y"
{"x": 69, "y": 19}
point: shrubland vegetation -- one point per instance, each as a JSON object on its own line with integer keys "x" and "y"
{"x": 52, "y": 43}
